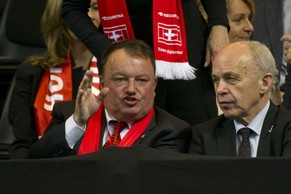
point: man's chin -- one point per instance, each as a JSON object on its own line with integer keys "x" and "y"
{"x": 230, "y": 113}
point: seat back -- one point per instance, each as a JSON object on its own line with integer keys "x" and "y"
{"x": 20, "y": 34}
{"x": 2, "y": 6}
{"x": 20, "y": 37}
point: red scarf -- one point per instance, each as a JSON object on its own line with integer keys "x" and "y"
{"x": 169, "y": 34}
{"x": 56, "y": 85}
{"x": 92, "y": 137}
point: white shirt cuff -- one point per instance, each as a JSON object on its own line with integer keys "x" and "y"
{"x": 73, "y": 132}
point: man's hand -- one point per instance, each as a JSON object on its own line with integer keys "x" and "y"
{"x": 287, "y": 47}
{"x": 217, "y": 39}
{"x": 86, "y": 103}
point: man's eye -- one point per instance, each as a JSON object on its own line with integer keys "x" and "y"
{"x": 215, "y": 80}
{"x": 120, "y": 79}
{"x": 142, "y": 80}
{"x": 231, "y": 79}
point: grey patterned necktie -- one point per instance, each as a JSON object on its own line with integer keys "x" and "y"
{"x": 245, "y": 147}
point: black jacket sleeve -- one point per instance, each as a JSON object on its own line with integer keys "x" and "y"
{"x": 76, "y": 18}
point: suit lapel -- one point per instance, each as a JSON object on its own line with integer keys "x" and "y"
{"x": 149, "y": 128}
{"x": 102, "y": 131}
{"x": 226, "y": 139}
{"x": 265, "y": 137}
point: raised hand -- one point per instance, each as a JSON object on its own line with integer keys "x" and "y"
{"x": 287, "y": 47}
{"x": 86, "y": 103}
{"x": 217, "y": 39}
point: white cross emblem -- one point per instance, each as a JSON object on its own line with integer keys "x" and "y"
{"x": 116, "y": 33}
{"x": 169, "y": 34}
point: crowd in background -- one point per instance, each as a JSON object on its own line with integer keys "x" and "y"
{"x": 77, "y": 37}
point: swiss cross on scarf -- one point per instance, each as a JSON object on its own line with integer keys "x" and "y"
{"x": 169, "y": 34}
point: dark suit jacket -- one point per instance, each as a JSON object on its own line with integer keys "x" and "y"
{"x": 21, "y": 111}
{"x": 164, "y": 132}
{"x": 190, "y": 100}
{"x": 217, "y": 137}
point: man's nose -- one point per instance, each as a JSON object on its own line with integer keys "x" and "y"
{"x": 131, "y": 86}
{"x": 221, "y": 87}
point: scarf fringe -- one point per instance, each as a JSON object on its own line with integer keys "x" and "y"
{"x": 173, "y": 70}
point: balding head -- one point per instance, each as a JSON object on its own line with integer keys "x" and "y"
{"x": 243, "y": 74}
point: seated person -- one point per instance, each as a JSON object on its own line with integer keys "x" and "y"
{"x": 128, "y": 85}
{"x": 240, "y": 14}
{"x": 52, "y": 76}
{"x": 251, "y": 125}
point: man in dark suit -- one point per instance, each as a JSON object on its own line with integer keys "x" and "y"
{"x": 243, "y": 75}
{"x": 128, "y": 85}
{"x": 191, "y": 100}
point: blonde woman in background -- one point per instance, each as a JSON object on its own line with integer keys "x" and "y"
{"x": 54, "y": 76}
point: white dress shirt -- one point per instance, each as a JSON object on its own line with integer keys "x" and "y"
{"x": 256, "y": 125}
{"x": 73, "y": 132}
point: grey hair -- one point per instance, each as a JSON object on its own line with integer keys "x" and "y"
{"x": 265, "y": 62}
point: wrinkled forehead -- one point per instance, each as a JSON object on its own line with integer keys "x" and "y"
{"x": 235, "y": 53}
{"x": 236, "y": 59}
{"x": 120, "y": 60}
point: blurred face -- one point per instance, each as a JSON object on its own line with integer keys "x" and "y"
{"x": 239, "y": 17}
{"x": 132, "y": 84}
{"x": 94, "y": 13}
{"x": 240, "y": 94}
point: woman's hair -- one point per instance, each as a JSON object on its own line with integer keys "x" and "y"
{"x": 249, "y": 3}
{"x": 56, "y": 36}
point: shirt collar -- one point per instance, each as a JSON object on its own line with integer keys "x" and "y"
{"x": 109, "y": 118}
{"x": 257, "y": 123}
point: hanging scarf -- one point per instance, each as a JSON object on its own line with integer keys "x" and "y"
{"x": 92, "y": 136}
{"x": 168, "y": 33}
{"x": 56, "y": 85}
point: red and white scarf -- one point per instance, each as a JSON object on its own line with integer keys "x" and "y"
{"x": 168, "y": 33}
{"x": 92, "y": 136}
{"x": 56, "y": 85}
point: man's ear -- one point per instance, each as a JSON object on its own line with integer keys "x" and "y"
{"x": 266, "y": 82}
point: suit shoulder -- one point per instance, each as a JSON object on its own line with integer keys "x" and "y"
{"x": 164, "y": 117}
{"x": 210, "y": 124}
{"x": 284, "y": 113}
{"x": 28, "y": 67}
{"x": 65, "y": 108}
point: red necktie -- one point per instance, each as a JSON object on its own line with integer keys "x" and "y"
{"x": 115, "y": 137}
